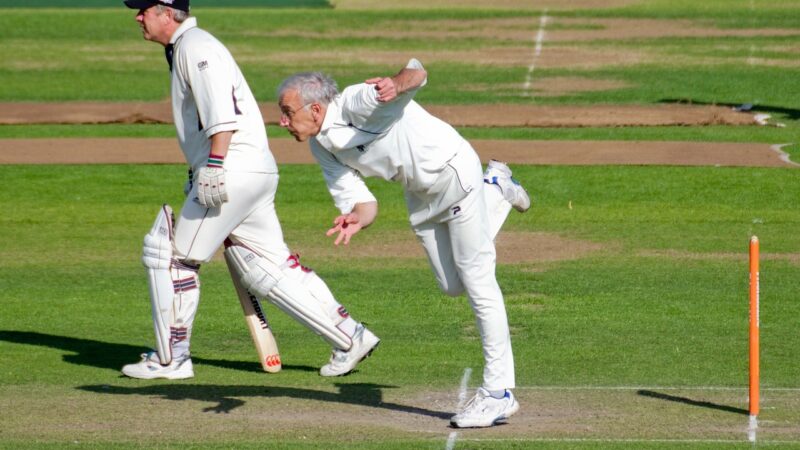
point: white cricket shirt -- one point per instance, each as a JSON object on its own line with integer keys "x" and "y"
{"x": 210, "y": 95}
{"x": 397, "y": 141}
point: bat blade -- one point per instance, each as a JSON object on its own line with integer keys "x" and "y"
{"x": 256, "y": 319}
{"x": 266, "y": 346}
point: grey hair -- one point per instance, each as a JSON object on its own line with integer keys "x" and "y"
{"x": 178, "y": 15}
{"x": 313, "y": 87}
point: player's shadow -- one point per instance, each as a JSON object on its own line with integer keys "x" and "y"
{"x": 228, "y": 397}
{"x": 692, "y": 402}
{"x": 791, "y": 113}
{"x": 108, "y": 355}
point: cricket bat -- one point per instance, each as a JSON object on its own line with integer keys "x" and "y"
{"x": 256, "y": 320}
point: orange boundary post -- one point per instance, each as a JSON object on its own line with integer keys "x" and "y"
{"x": 754, "y": 327}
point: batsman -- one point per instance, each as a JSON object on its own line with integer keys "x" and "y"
{"x": 230, "y": 199}
{"x": 376, "y": 129}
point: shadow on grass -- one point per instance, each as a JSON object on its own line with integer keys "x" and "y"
{"x": 791, "y": 113}
{"x": 689, "y": 401}
{"x": 107, "y": 355}
{"x": 228, "y": 397}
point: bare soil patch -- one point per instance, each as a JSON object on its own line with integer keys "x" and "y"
{"x": 287, "y": 151}
{"x": 493, "y": 115}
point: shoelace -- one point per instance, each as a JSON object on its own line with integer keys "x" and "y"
{"x": 475, "y": 402}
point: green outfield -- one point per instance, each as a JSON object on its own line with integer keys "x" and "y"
{"x": 630, "y": 333}
{"x": 661, "y": 303}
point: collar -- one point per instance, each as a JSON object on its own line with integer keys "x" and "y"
{"x": 187, "y": 24}
{"x": 328, "y": 127}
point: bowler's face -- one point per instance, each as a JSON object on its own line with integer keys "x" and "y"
{"x": 301, "y": 120}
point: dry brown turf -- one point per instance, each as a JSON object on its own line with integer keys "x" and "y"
{"x": 121, "y": 150}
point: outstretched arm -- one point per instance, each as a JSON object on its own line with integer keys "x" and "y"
{"x": 362, "y": 215}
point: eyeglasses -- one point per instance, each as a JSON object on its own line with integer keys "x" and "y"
{"x": 288, "y": 114}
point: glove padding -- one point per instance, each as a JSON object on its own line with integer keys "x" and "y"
{"x": 211, "y": 191}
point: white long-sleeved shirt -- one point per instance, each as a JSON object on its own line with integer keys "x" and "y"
{"x": 210, "y": 95}
{"x": 397, "y": 141}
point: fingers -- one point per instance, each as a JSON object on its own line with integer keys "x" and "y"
{"x": 342, "y": 225}
{"x": 208, "y": 200}
{"x": 203, "y": 196}
{"x": 342, "y": 235}
{"x": 337, "y": 227}
{"x": 385, "y": 88}
{"x": 333, "y": 230}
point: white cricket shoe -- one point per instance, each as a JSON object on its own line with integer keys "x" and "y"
{"x": 150, "y": 367}
{"x": 498, "y": 173}
{"x": 343, "y": 362}
{"x": 483, "y": 410}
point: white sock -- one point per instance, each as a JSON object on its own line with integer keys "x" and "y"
{"x": 497, "y": 394}
{"x": 348, "y": 326}
{"x": 180, "y": 349}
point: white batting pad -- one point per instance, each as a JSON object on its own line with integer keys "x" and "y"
{"x": 268, "y": 280}
{"x": 157, "y": 252}
{"x": 174, "y": 287}
{"x": 317, "y": 287}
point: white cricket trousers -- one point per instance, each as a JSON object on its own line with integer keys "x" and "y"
{"x": 248, "y": 217}
{"x": 459, "y": 243}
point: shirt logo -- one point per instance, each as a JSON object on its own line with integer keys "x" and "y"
{"x": 202, "y": 65}
{"x": 361, "y": 148}
{"x": 456, "y": 210}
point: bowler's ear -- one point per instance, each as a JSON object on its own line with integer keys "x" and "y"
{"x": 316, "y": 110}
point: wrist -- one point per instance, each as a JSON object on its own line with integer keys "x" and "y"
{"x": 215, "y": 161}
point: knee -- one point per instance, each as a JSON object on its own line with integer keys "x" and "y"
{"x": 453, "y": 289}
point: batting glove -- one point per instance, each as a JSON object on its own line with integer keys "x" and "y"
{"x": 211, "y": 191}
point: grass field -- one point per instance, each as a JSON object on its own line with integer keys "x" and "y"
{"x": 638, "y": 342}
